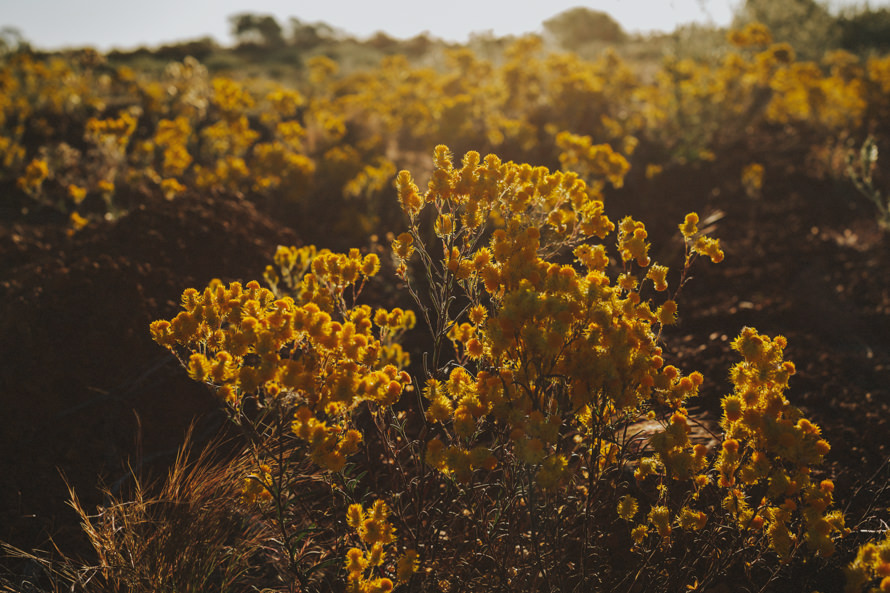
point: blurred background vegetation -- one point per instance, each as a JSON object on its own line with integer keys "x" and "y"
{"x": 263, "y": 45}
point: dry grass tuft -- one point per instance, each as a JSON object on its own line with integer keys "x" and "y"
{"x": 187, "y": 534}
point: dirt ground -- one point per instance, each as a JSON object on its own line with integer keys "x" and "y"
{"x": 85, "y": 392}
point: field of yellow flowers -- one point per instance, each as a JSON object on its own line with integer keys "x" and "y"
{"x": 477, "y": 324}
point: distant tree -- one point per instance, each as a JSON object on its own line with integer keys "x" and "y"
{"x": 865, "y": 29}
{"x": 418, "y": 45}
{"x": 698, "y": 41}
{"x": 806, "y": 24}
{"x": 303, "y": 35}
{"x": 577, "y": 26}
{"x": 257, "y": 29}
{"x": 12, "y": 41}
{"x": 308, "y": 35}
{"x": 382, "y": 42}
{"x": 199, "y": 49}
{"x": 487, "y": 45}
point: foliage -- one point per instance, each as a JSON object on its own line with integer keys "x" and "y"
{"x": 518, "y": 438}
{"x": 11, "y": 41}
{"x": 806, "y": 24}
{"x": 259, "y": 29}
{"x": 576, "y": 26}
{"x": 538, "y": 438}
{"x": 871, "y": 568}
{"x": 865, "y": 30}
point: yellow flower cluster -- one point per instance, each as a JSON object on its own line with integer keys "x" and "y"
{"x": 247, "y": 343}
{"x": 698, "y": 244}
{"x": 371, "y": 180}
{"x": 871, "y": 567}
{"x": 377, "y": 537}
{"x": 763, "y": 466}
{"x": 769, "y": 444}
{"x": 115, "y": 131}
{"x": 752, "y": 179}
{"x": 172, "y": 136}
{"x": 753, "y": 35}
{"x": 277, "y": 165}
{"x": 320, "y": 277}
{"x": 693, "y": 107}
{"x": 593, "y": 161}
{"x": 561, "y": 349}
{"x": 627, "y": 507}
{"x": 258, "y": 487}
{"x": 35, "y": 174}
{"x": 231, "y": 98}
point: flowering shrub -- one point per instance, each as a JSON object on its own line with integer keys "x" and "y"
{"x": 292, "y": 373}
{"x": 513, "y": 459}
{"x": 344, "y": 136}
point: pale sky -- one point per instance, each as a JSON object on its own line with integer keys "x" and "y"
{"x": 106, "y": 24}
